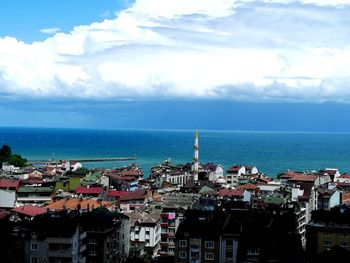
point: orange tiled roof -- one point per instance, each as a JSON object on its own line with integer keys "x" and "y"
{"x": 73, "y": 204}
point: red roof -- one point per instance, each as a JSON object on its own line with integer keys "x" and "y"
{"x": 232, "y": 192}
{"x": 344, "y": 176}
{"x": 88, "y": 190}
{"x": 234, "y": 168}
{"x": 122, "y": 178}
{"x": 134, "y": 195}
{"x": 343, "y": 185}
{"x": 248, "y": 187}
{"x": 30, "y": 210}
{"x": 131, "y": 173}
{"x": 304, "y": 178}
{"x": 116, "y": 193}
{"x": 331, "y": 172}
{"x": 289, "y": 174}
{"x": 9, "y": 183}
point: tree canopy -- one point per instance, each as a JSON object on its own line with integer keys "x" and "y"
{"x": 6, "y": 156}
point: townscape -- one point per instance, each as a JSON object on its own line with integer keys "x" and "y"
{"x": 193, "y": 212}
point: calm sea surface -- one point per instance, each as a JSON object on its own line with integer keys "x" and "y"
{"x": 271, "y": 152}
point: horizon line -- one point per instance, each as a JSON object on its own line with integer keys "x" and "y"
{"x": 179, "y": 130}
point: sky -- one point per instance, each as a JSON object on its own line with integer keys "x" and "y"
{"x": 176, "y": 64}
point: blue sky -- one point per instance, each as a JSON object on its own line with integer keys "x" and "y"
{"x": 24, "y": 19}
{"x": 176, "y": 64}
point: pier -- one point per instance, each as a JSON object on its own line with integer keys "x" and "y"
{"x": 93, "y": 160}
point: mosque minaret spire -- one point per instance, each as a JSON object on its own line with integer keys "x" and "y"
{"x": 196, "y": 158}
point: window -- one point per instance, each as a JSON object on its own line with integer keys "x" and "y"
{"x": 92, "y": 253}
{"x": 209, "y": 244}
{"x": 344, "y": 244}
{"x": 92, "y": 241}
{"x": 34, "y": 246}
{"x": 44, "y": 259}
{"x": 34, "y": 234}
{"x": 182, "y": 254}
{"x": 183, "y": 243}
{"x": 327, "y": 234}
{"x": 194, "y": 255}
{"x": 209, "y": 256}
{"x": 33, "y": 260}
{"x": 252, "y": 251}
{"x": 327, "y": 243}
{"x": 344, "y": 234}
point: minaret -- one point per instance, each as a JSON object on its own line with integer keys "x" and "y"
{"x": 196, "y": 158}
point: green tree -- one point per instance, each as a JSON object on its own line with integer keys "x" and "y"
{"x": 5, "y": 151}
{"x": 17, "y": 160}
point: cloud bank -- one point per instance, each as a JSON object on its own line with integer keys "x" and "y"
{"x": 267, "y": 50}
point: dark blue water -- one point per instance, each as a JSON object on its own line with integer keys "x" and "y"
{"x": 271, "y": 152}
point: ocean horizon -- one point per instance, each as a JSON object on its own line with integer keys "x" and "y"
{"x": 271, "y": 151}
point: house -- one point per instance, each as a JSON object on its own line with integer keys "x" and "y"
{"x": 115, "y": 195}
{"x": 269, "y": 188}
{"x": 234, "y": 173}
{"x": 328, "y": 197}
{"x": 344, "y": 178}
{"x": 34, "y": 194}
{"x": 80, "y": 204}
{"x": 236, "y": 194}
{"x": 133, "y": 200}
{"x": 123, "y": 183}
{"x": 89, "y": 191}
{"x": 9, "y": 184}
{"x": 251, "y": 170}
{"x": 252, "y": 188}
{"x": 9, "y": 168}
{"x": 177, "y": 175}
{"x": 214, "y": 171}
{"x": 333, "y": 173}
{"x": 28, "y": 211}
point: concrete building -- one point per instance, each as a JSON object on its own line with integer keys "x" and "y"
{"x": 173, "y": 208}
{"x": 231, "y": 233}
{"x": 326, "y": 230}
{"x": 34, "y": 194}
{"x": 107, "y": 235}
{"x": 55, "y": 238}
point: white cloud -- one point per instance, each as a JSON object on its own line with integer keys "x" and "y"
{"x": 272, "y": 50}
{"x": 50, "y": 30}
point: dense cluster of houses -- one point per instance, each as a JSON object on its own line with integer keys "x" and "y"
{"x": 67, "y": 213}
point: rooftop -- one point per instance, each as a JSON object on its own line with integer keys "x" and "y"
{"x": 29, "y": 210}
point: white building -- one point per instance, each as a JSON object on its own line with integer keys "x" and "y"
{"x": 234, "y": 173}
{"x": 145, "y": 227}
{"x": 9, "y": 168}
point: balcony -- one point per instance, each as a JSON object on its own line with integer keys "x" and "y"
{"x": 67, "y": 253}
{"x": 164, "y": 244}
{"x": 164, "y": 215}
{"x": 59, "y": 240}
{"x": 171, "y": 234}
{"x": 82, "y": 248}
{"x": 83, "y": 235}
{"x": 164, "y": 235}
{"x": 164, "y": 224}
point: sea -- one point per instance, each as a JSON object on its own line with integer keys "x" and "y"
{"x": 271, "y": 152}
